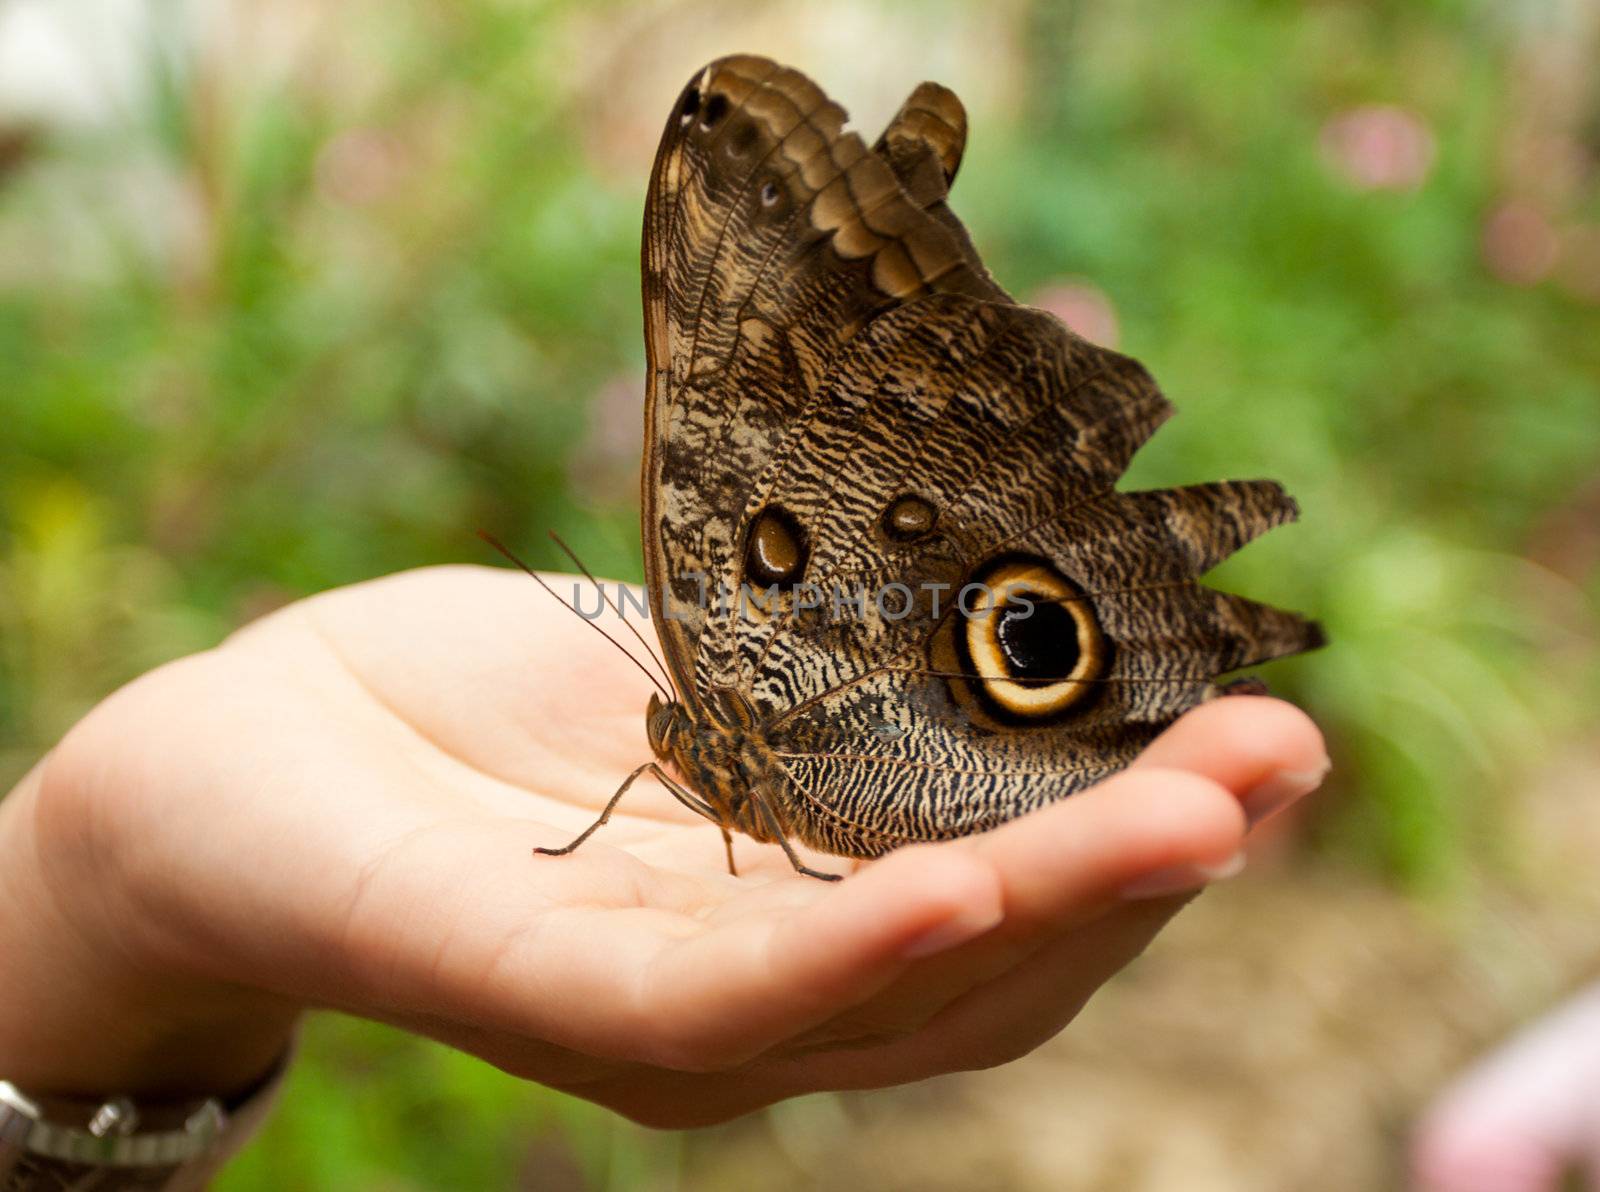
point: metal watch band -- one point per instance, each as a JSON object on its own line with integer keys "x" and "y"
{"x": 111, "y": 1137}
{"x": 58, "y": 1144}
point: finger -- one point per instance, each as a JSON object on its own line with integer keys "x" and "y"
{"x": 1145, "y": 830}
{"x": 1031, "y": 1002}
{"x": 1266, "y": 751}
{"x": 997, "y": 1023}
{"x": 1008, "y": 1017}
{"x": 1133, "y": 837}
{"x": 736, "y": 990}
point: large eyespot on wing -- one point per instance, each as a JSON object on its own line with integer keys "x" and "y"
{"x": 1023, "y": 646}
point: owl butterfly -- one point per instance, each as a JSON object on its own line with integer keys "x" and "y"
{"x": 850, "y": 423}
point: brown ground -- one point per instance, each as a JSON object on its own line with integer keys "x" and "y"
{"x": 1281, "y": 1035}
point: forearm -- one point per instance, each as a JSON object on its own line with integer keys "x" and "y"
{"x": 83, "y": 1012}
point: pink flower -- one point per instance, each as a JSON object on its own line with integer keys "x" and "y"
{"x": 1082, "y": 307}
{"x": 1379, "y": 147}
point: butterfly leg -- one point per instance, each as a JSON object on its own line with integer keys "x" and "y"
{"x": 605, "y": 814}
{"x": 700, "y": 807}
{"x": 690, "y": 800}
{"x": 686, "y": 796}
{"x": 782, "y": 838}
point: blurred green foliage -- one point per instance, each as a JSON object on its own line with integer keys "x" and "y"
{"x": 1426, "y": 415}
{"x": 262, "y": 338}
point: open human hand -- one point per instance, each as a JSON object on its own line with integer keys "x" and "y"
{"x": 337, "y": 808}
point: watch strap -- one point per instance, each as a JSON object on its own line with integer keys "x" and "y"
{"x": 57, "y": 1144}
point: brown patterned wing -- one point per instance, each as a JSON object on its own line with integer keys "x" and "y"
{"x": 771, "y": 237}
{"x": 843, "y": 405}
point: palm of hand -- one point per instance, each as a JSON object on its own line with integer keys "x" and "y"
{"x": 339, "y": 806}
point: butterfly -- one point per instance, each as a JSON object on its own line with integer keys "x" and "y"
{"x": 850, "y": 429}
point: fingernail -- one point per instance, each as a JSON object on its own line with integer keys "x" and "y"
{"x": 1177, "y": 879}
{"x": 1280, "y": 790}
{"x": 951, "y": 933}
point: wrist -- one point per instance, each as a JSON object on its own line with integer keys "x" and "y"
{"x": 85, "y": 1010}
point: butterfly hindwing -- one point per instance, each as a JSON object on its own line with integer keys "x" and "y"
{"x": 1011, "y": 433}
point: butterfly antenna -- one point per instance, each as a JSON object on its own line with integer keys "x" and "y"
{"x": 539, "y": 579}
{"x": 578, "y": 563}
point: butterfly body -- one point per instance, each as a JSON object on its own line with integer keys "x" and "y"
{"x": 718, "y": 758}
{"x": 842, "y": 405}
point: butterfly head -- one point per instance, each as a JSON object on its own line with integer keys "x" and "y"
{"x": 664, "y": 724}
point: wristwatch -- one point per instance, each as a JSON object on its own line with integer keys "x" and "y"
{"x": 62, "y": 1144}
